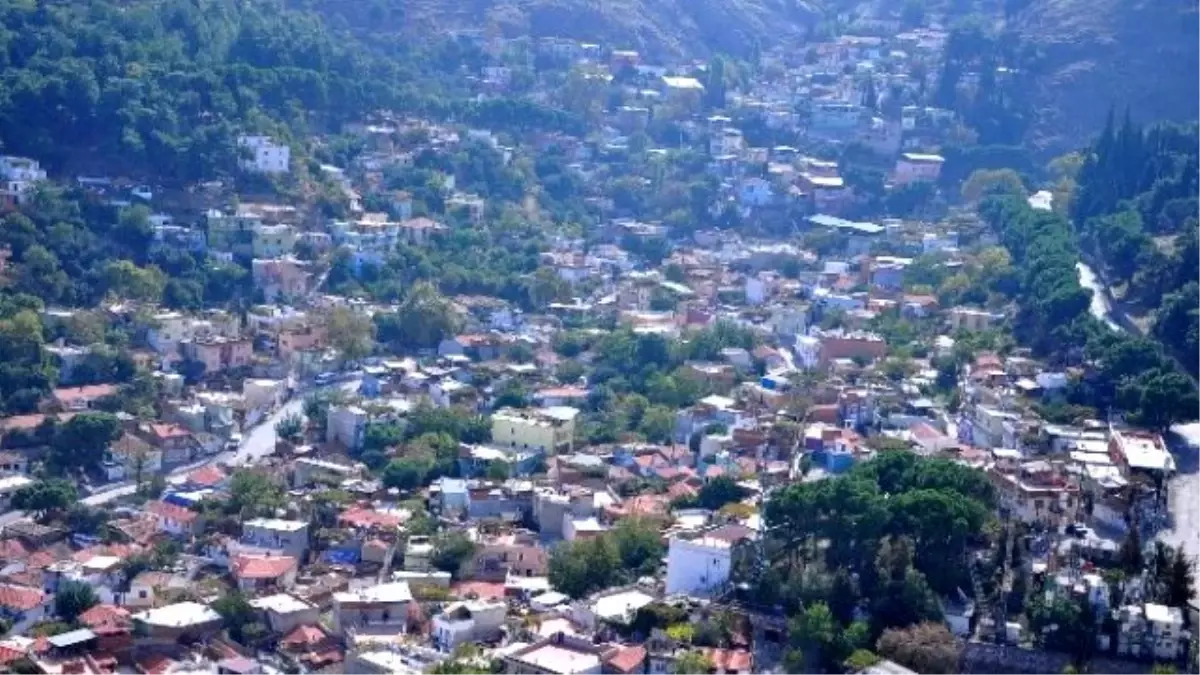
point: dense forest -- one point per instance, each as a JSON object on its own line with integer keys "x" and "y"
{"x": 163, "y": 87}
{"x": 1128, "y": 373}
{"x": 1135, "y": 209}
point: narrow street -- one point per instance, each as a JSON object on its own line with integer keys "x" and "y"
{"x": 1184, "y": 490}
{"x": 258, "y": 443}
{"x": 1183, "y": 497}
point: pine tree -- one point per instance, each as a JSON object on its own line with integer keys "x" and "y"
{"x": 1131, "y": 550}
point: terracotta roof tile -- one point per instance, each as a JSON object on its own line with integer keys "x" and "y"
{"x": 304, "y": 636}
{"x": 167, "y": 510}
{"x": 9, "y": 653}
{"x": 105, "y": 615}
{"x": 88, "y": 393}
{"x": 262, "y": 567}
{"x": 207, "y": 476}
{"x": 20, "y": 598}
{"x": 727, "y": 660}
{"x": 628, "y": 659}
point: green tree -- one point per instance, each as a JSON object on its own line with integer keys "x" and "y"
{"x": 690, "y": 663}
{"x": 238, "y": 616}
{"x": 350, "y": 332}
{"x": 498, "y": 470}
{"x": 582, "y": 566}
{"x": 45, "y": 497}
{"x": 72, "y": 599}
{"x": 720, "y": 491}
{"x": 452, "y": 551}
{"x": 252, "y": 494}
{"x": 291, "y": 427}
{"x": 639, "y": 546}
{"x": 926, "y": 648}
{"x": 406, "y": 473}
{"x": 80, "y": 442}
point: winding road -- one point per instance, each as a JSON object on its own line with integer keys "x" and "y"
{"x": 258, "y": 443}
{"x": 1184, "y": 488}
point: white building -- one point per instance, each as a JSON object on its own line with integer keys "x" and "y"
{"x": 19, "y": 174}
{"x": 266, "y": 156}
{"x": 1152, "y": 631}
{"x": 287, "y": 536}
{"x": 470, "y": 621}
{"x": 385, "y": 604}
{"x": 346, "y": 424}
{"x": 698, "y": 565}
{"x": 285, "y": 612}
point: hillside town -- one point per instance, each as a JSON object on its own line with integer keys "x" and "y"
{"x": 732, "y": 379}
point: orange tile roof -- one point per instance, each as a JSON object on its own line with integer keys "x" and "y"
{"x": 484, "y": 590}
{"x": 729, "y": 659}
{"x": 8, "y": 654}
{"x": 304, "y": 636}
{"x": 207, "y": 476}
{"x": 154, "y": 664}
{"x": 105, "y": 615}
{"x": 167, "y": 510}
{"x": 165, "y": 431}
{"x": 13, "y": 549}
{"x": 627, "y": 659}
{"x": 88, "y": 393}
{"x": 262, "y": 567}
{"x": 357, "y": 516}
{"x": 30, "y": 422}
{"x": 20, "y": 598}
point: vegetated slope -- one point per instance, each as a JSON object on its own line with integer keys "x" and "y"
{"x": 1140, "y": 54}
{"x": 161, "y": 87}
{"x": 675, "y": 27}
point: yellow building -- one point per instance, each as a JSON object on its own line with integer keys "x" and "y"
{"x": 543, "y": 429}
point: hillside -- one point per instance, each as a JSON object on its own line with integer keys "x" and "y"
{"x": 1101, "y": 53}
{"x": 657, "y": 27}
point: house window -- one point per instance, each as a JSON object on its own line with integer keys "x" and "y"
{"x": 142, "y": 594}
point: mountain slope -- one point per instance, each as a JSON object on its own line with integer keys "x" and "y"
{"x": 659, "y": 27}
{"x": 1140, "y": 54}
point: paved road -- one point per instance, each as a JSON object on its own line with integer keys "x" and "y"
{"x": 1182, "y": 491}
{"x": 258, "y": 443}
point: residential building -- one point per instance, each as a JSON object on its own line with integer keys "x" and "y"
{"x": 1152, "y": 631}
{"x": 346, "y": 424}
{"x": 385, "y": 604}
{"x": 22, "y": 607}
{"x": 1037, "y": 492}
{"x": 472, "y": 621}
{"x": 261, "y": 572}
{"x": 853, "y": 345}
{"x": 266, "y": 156}
{"x": 559, "y": 654}
{"x": 219, "y": 353}
{"x": 273, "y": 241}
{"x": 288, "y": 536}
{"x": 232, "y": 233}
{"x": 19, "y": 175}
{"x": 176, "y": 520}
{"x": 182, "y": 620}
{"x": 543, "y": 429}
{"x": 280, "y": 278}
{"x": 1140, "y": 451}
{"x": 969, "y": 319}
{"x": 286, "y": 612}
{"x": 699, "y": 564}
{"x": 915, "y": 167}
